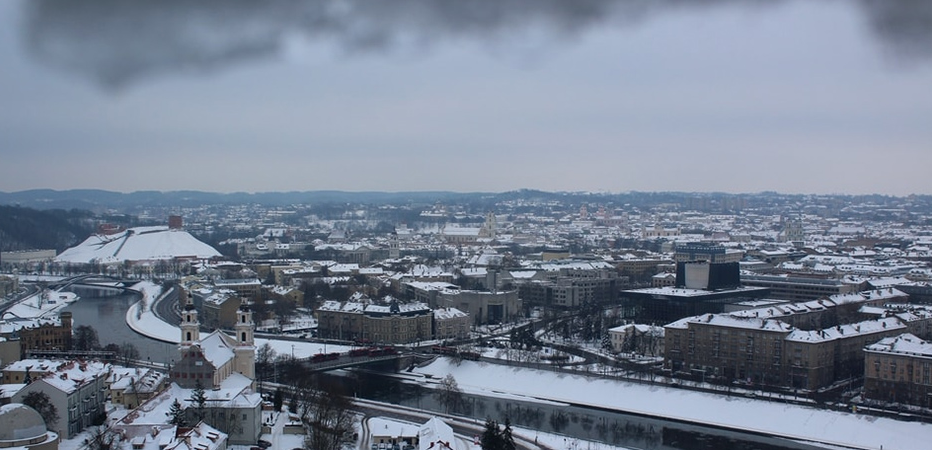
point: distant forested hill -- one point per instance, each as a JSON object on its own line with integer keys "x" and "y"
{"x": 26, "y": 228}
{"x": 101, "y": 201}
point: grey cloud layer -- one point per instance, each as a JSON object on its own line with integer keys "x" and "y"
{"x": 116, "y": 43}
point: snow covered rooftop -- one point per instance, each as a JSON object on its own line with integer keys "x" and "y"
{"x": 448, "y": 313}
{"x": 685, "y": 292}
{"x": 904, "y": 344}
{"x": 435, "y": 432}
{"x": 841, "y": 331}
{"x": 364, "y": 307}
{"x": 877, "y": 294}
{"x": 216, "y": 349}
{"x": 523, "y": 274}
{"x": 432, "y": 285}
{"x": 68, "y": 377}
{"x": 138, "y": 244}
{"x": 741, "y": 322}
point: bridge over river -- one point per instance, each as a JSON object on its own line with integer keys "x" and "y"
{"x": 94, "y": 285}
{"x": 324, "y": 362}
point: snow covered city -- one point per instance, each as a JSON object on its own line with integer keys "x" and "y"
{"x": 466, "y": 225}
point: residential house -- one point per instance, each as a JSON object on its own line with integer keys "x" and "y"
{"x": 78, "y": 390}
{"x": 450, "y": 323}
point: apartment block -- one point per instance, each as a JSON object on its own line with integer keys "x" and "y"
{"x": 898, "y": 369}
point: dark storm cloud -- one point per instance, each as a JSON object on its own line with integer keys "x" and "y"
{"x": 116, "y": 43}
{"x": 903, "y": 28}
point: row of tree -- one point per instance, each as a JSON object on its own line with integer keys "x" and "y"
{"x": 84, "y": 338}
{"x": 322, "y": 406}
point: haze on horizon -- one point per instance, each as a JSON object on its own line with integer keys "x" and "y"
{"x": 413, "y": 95}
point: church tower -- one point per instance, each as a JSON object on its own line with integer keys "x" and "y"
{"x": 793, "y": 231}
{"x": 394, "y": 247}
{"x": 245, "y": 350}
{"x": 190, "y": 327}
{"x": 489, "y": 228}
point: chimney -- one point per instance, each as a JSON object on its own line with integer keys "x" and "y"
{"x": 175, "y": 222}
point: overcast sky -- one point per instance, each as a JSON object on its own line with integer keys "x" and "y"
{"x": 589, "y": 95}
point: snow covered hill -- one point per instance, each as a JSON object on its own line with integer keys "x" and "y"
{"x": 138, "y": 244}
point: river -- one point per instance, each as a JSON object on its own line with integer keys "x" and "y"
{"x": 107, "y": 316}
{"x": 607, "y": 427}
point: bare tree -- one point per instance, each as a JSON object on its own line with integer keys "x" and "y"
{"x": 265, "y": 362}
{"x": 134, "y": 384}
{"x": 129, "y": 352}
{"x": 329, "y": 418}
{"x": 449, "y": 394}
{"x": 303, "y": 397}
{"x": 85, "y": 338}
{"x": 99, "y": 439}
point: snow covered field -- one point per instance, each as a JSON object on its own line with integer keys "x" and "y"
{"x": 42, "y": 305}
{"x": 792, "y": 421}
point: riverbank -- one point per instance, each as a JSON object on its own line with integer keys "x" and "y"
{"x": 141, "y": 319}
{"x": 42, "y": 305}
{"x": 797, "y": 422}
{"x": 791, "y": 421}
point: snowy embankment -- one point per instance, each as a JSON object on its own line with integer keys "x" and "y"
{"x": 791, "y": 421}
{"x": 46, "y": 304}
{"x": 142, "y": 320}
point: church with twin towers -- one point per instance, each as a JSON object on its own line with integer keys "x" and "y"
{"x": 212, "y": 359}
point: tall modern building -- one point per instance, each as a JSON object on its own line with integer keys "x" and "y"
{"x": 707, "y": 252}
{"x": 700, "y": 288}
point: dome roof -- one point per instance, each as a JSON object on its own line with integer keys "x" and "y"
{"x": 19, "y": 422}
